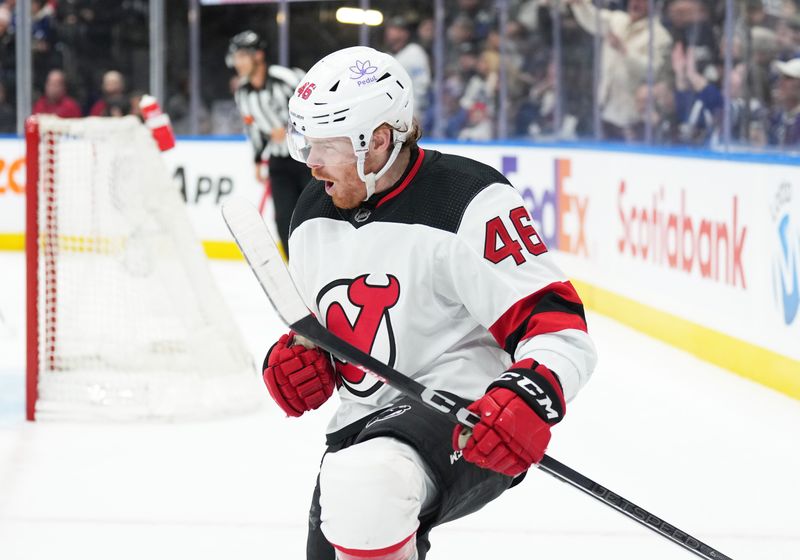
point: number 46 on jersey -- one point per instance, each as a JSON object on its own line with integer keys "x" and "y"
{"x": 501, "y": 244}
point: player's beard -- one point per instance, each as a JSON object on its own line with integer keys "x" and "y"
{"x": 346, "y": 190}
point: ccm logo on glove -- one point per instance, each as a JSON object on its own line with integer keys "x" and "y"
{"x": 543, "y": 403}
{"x": 516, "y": 413}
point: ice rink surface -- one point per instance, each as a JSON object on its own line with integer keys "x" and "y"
{"x": 709, "y": 452}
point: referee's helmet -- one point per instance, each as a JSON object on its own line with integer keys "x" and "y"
{"x": 246, "y": 40}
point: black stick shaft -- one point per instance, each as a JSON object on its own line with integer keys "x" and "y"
{"x": 456, "y": 409}
{"x": 452, "y": 406}
{"x": 628, "y": 508}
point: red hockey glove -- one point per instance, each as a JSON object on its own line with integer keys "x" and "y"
{"x": 516, "y": 414}
{"x": 298, "y": 378}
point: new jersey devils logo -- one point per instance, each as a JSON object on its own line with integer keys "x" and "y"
{"x": 358, "y": 311}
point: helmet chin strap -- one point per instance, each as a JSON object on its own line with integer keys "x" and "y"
{"x": 371, "y": 179}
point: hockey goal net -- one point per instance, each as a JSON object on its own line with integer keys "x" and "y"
{"x": 124, "y": 318}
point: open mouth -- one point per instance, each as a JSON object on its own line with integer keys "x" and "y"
{"x": 328, "y": 186}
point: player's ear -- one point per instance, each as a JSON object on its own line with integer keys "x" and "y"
{"x": 381, "y": 139}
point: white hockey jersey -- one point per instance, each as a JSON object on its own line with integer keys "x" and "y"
{"x": 443, "y": 277}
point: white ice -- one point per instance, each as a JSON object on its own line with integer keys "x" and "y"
{"x": 711, "y": 453}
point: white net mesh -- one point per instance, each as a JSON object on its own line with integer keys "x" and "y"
{"x": 131, "y": 324}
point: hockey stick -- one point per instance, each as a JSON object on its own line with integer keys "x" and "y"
{"x": 251, "y": 234}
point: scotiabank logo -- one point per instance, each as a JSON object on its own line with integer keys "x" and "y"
{"x": 679, "y": 237}
{"x": 560, "y": 217}
{"x": 786, "y": 255}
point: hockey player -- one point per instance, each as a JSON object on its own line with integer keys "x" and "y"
{"x": 262, "y": 96}
{"x": 431, "y": 263}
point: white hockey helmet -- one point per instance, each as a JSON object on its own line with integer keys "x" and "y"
{"x": 347, "y": 95}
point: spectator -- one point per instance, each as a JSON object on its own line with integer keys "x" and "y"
{"x": 460, "y": 32}
{"x": 482, "y": 87}
{"x": 512, "y": 56}
{"x": 698, "y": 101}
{"x": 662, "y": 118}
{"x": 577, "y": 70}
{"x": 42, "y": 37}
{"x": 764, "y": 48}
{"x": 117, "y": 106}
{"x": 625, "y": 58}
{"x": 535, "y": 112}
{"x": 426, "y": 32}
{"x": 55, "y": 100}
{"x": 476, "y": 12}
{"x": 113, "y": 86}
{"x": 453, "y": 114}
{"x": 689, "y": 22}
{"x": 784, "y": 127}
{"x": 41, "y": 26}
{"x": 479, "y": 124}
{"x": 458, "y": 76}
{"x": 8, "y": 116}
{"x": 748, "y": 114}
{"x": 536, "y": 116}
{"x": 412, "y": 57}
{"x": 78, "y": 30}
{"x": 788, "y": 33}
{"x": 467, "y": 65}
{"x": 517, "y": 84}
{"x": 8, "y": 61}
{"x": 530, "y": 13}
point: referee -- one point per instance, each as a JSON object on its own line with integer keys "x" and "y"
{"x": 263, "y": 101}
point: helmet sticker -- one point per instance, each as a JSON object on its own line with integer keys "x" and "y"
{"x": 362, "y": 69}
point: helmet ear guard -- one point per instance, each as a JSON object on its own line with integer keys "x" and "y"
{"x": 371, "y": 178}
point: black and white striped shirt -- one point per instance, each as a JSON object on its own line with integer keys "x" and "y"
{"x": 264, "y": 110}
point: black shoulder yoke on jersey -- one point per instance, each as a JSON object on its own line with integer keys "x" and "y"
{"x": 434, "y": 193}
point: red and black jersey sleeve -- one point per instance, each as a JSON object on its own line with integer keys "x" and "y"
{"x": 507, "y": 279}
{"x": 553, "y": 308}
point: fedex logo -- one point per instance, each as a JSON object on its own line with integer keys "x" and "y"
{"x": 560, "y": 217}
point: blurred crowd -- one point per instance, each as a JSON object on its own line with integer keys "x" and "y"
{"x": 79, "y": 49}
{"x": 673, "y": 65}
{"x": 615, "y": 73}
